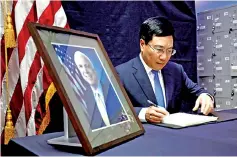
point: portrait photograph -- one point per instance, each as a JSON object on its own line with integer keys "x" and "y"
{"x": 92, "y": 86}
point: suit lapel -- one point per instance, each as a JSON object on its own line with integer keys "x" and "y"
{"x": 105, "y": 83}
{"x": 97, "y": 120}
{"x": 167, "y": 81}
{"x": 143, "y": 80}
{"x": 105, "y": 90}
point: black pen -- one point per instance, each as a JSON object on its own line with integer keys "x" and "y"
{"x": 155, "y": 105}
{"x": 152, "y": 103}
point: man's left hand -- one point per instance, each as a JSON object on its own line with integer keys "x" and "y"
{"x": 207, "y": 104}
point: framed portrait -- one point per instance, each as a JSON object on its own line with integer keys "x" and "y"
{"x": 88, "y": 85}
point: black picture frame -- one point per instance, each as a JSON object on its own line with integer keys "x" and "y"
{"x": 59, "y": 48}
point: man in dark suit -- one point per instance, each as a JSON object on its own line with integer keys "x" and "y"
{"x": 103, "y": 106}
{"x": 155, "y": 85}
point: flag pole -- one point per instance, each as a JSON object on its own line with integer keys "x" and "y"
{"x": 9, "y": 38}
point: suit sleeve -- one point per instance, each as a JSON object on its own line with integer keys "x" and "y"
{"x": 194, "y": 88}
{"x": 190, "y": 86}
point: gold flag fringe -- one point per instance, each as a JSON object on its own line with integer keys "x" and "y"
{"x": 9, "y": 33}
{"x": 9, "y": 38}
{"x": 45, "y": 122}
{"x": 9, "y": 128}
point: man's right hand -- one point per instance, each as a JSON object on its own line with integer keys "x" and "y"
{"x": 155, "y": 114}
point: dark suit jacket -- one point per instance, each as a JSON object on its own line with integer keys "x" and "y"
{"x": 113, "y": 106}
{"x": 137, "y": 84}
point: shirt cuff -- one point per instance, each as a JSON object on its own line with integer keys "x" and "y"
{"x": 212, "y": 98}
{"x": 142, "y": 114}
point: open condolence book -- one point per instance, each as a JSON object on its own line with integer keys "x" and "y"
{"x": 180, "y": 120}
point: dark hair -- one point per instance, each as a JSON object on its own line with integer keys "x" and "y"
{"x": 158, "y": 26}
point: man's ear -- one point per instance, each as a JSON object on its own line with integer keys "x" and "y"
{"x": 142, "y": 44}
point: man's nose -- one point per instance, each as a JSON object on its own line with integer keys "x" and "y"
{"x": 84, "y": 70}
{"x": 163, "y": 56}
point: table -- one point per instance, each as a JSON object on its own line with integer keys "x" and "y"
{"x": 204, "y": 140}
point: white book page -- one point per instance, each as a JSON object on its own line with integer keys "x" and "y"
{"x": 185, "y": 119}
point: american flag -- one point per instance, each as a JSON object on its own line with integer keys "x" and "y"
{"x": 28, "y": 77}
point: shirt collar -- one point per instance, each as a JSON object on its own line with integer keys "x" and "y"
{"x": 98, "y": 90}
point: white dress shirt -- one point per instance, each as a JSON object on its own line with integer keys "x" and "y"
{"x": 151, "y": 78}
{"x": 99, "y": 97}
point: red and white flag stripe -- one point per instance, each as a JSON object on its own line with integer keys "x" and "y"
{"x": 27, "y": 76}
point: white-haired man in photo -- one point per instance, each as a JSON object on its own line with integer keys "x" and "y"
{"x": 104, "y": 95}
